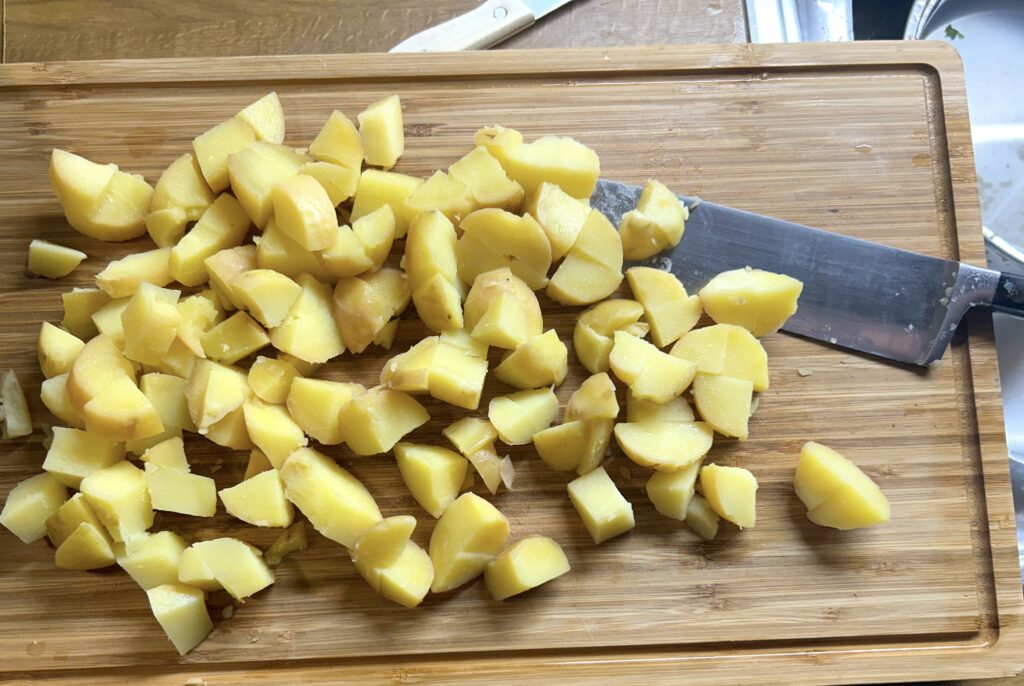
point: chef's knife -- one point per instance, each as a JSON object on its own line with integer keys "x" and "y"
{"x": 487, "y": 25}
{"x": 861, "y": 295}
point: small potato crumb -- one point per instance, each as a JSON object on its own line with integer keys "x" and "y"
{"x": 803, "y": 371}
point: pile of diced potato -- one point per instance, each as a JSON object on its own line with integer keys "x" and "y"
{"x": 212, "y": 334}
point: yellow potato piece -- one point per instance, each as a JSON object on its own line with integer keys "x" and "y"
{"x": 578, "y": 444}
{"x": 271, "y": 380}
{"x": 592, "y": 269}
{"x": 564, "y": 162}
{"x": 121, "y": 412}
{"x": 197, "y": 314}
{"x": 30, "y": 504}
{"x": 724, "y": 403}
{"x": 236, "y": 337}
{"x": 731, "y": 492}
{"x": 304, "y": 212}
{"x": 259, "y": 500}
{"x": 493, "y": 238}
{"x": 433, "y": 475}
{"x": 605, "y": 513}
{"x": 455, "y": 375}
{"x": 194, "y": 572}
{"x": 214, "y": 147}
{"x": 267, "y": 295}
{"x": 671, "y": 492}
{"x": 836, "y": 492}
{"x": 293, "y": 539}
{"x": 339, "y": 182}
{"x": 150, "y": 322}
{"x": 109, "y": 323}
{"x": 168, "y": 454}
{"x": 650, "y": 373}
{"x": 594, "y": 399}
{"x": 75, "y": 454}
{"x": 88, "y": 547}
{"x": 541, "y": 361}
{"x": 431, "y": 268}
{"x": 57, "y": 350}
{"x": 375, "y": 421}
{"x": 272, "y": 429}
{"x": 665, "y": 446}
{"x": 266, "y": 117}
{"x": 120, "y": 499}
{"x": 79, "y": 306}
{"x": 509, "y": 310}
{"x": 79, "y": 183}
{"x": 526, "y": 564}
{"x": 338, "y": 142}
{"x": 230, "y": 431}
{"x": 181, "y": 612}
{"x": 379, "y": 188}
{"x": 223, "y": 266}
{"x": 255, "y": 170}
{"x": 363, "y": 305}
{"x": 121, "y": 277}
{"x": 167, "y": 393}
{"x": 701, "y": 518}
{"x": 757, "y": 300}
{"x": 51, "y": 260}
{"x": 640, "y": 411}
{"x": 181, "y": 186}
{"x": 257, "y": 464}
{"x": 223, "y": 225}
{"x": 380, "y": 546}
{"x": 410, "y": 371}
{"x": 315, "y": 405}
{"x": 381, "y": 128}
{"x": 656, "y": 224}
{"x": 470, "y": 434}
{"x": 237, "y": 566}
{"x": 498, "y": 141}
{"x": 98, "y": 365}
{"x": 559, "y": 214}
{"x": 166, "y": 227}
{"x": 518, "y": 416}
{"x": 442, "y": 193}
{"x": 213, "y": 391}
{"x": 728, "y": 350}
{"x": 592, "y": 336}
{"x": 54, "y": 394}
{"x": 486, "y": 180}
{"x": 309, "y": 331}
{"x": 172, "y": 490}
{"x": 469, "y": 534}
{"x": 153, "y": 560}
{"x": 667, "y": 308}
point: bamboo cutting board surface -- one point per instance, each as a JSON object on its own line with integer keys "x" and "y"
{"x": 871, "y": 140}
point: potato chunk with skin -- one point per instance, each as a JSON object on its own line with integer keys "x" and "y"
{"x": 172, "y": 490}
{"x": 430, "y": 256}
{"x": 594, "y": 399}
{"x": 410, "y": 371}
{"x": 701, "y": 518}
{"x": 433, "y": 475}
{"x": 605, "y": 513}
{"x": 271, "y": 379}
{"x": 152, "y": 560}
{"x": 273, "y": 431}
{"x": 657, "y": 222}
{"x": 315, "y": 405}
{"x": 486, "y": 180}
{"x": 338, "y": 142}
{"x": 57, "y": 350}
{"x": 650, "y": 373}
{"x": 214, "y": 147}
{"x": 121, "y": 277}
{"x": 559, "y": 214}
{"x": 255, "y": 170}
{"x": 79, "y": 183}
{"x": 54, "y": 394}
{"x": 492, "y": 239}
{"x": 408, "y": 580}
{"x": 731, "y": 492}
{"x": 501, "y": 310}
{"x": 577, "y": 444}
{"x": 671, "y": 492}
{"x": 393, "y": 565}
{"x": 75, "y": 454}
{"x": 214, "y": 390}
{"x": 30, "y": 504}
{"x": 88, "y": 547}
{"x": 469, "y": 534}
{"x": 592, "y": 268}
{"x": 363, "y": 305}
{"x": 526, "y": 564}
{"x": 724, "y": 403}
{"x": 564, "y": 162}
{"x": 266, "y": 117}
{"x": 259, "y": 500}
{"x": 640, "y": 411}
{"x": 375, "y": 421}
{"x": 836, "y": 492}
{"x": 304, "y": 212}
{"x": 237, "y": 566}
{"x": 182, "y": 614}
{"x": 51, "y": 260}
{"x": 182, "y": 186}
{"x": 665, "y": 446}
{"x": 470, "y": 434}
{"x": 667, "y": 307}
{"x": 120, "y": 499}
{"x": 381, "y": 128}
{"x": 99, "y": 200}
{"x": 121, "y": 412}
{"x": 223, "y": 266}
{"x": 757, "y": 300}
{"x": 498, "y": 141}
{"x": 728, "y": 350}
{"x": 98, "y": 365}
{"x": 150, "y": 323}
{"x": 541, "y": 361}
{"x": 339, "y": 182}
{"x": 223, "y": 225}
{"x": 592, "y": 336}
{"x": 379, "y": 188}
{"x": 335, "y": 502}
{"x": 309, "y": 331}
{"x": 266, "y": 294}
{"x": 518, "y": 416}
{"x": 275, "y": 250}
{"x": 79, "y": 306}
{"x": 444, "y": 194}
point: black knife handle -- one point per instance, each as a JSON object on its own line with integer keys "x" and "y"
{"x": 1009, "y": 295}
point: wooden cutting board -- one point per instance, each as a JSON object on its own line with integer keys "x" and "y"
{"x": 871, "y": 140}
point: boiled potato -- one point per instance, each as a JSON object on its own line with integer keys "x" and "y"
{"x": 57, "y": 350}
{"x": 665, "y": 446}
{"x": 518, "y": 416}
{"x": 650, "y": 373}
{"x": 578, "y": 444}
{"x": 194, "y": 572}
{"x": 701, "y": 518}
{"x": 374, "y": 422}
{"x": 166, "y": 227}
{"x": 338, "y": 142}
{"x": 757, "y": 300}
{"x": 432, "y": 271}
{"x": 559, "y": 214}
{"x": 255, "y": 170}
{"x": 169, "y": 454}
{"x": 30, "y": 504}
{"x": 120, "y": 498}
{"x": 362, "y": 247}
{"x": 267, "y": 295}
{"x": 526, "y": 564}
{"x": 493, "y": 470}
{"x": 230, "y": 431}
{"x": 441, "y": 193}
{"x": 728, "y": 350}
{"x": 498, "y": 141}
{"x": 271, "y": 380}
{"x": 501, "y": 310}
{"x": 272, "y": 429}
{"x": 150, "y": 322}
{"x": 381, "y": 128}
{"x": 605, "y": 513}
{"x": 214, "y": 147}
{"x": 594, "y": 399}
{"x": 275, "y": 250}
{"x": 541, "y": 361}
{"x": 109, "y": 323}
{"x": 75, "y": 454}
{"x": 470, "y": 434}
{"x": 291, "y": 540}
{"x": 223, "y": 225}
{"x": 153, "y": 560}
{"x": 456, "y": 375}
{"x": 91, "y": 548}
{"x": 79, "y": 184}
{"x": 668, "y": 309}
{"x": 410, "y": 371}
{"x": 469, "y": 534}
{"x": 640, "y": 411}
{"x": 309, "y": 331}
{"x": 836, "y": 492}
{"x": 671, "y": 492}
{"x": 167, "y": 393}
{"x": 197, "y": 314}
{"x": 656, "y": 224}
{"x": 266, "y": 117}
{"x": 592, "y": 336}
{"x": 564, "y": 162}
{"x": 486, "y": 180}
{"x": 51, "y": 260}
{"x": 122, "y": 277}
{"x": 182, "y": 614}
{"x": 259, "y": 500}
{"x": 121, "y": 412}
{"x": 724, "y": 403}
{"x": 433, "y": 475}
{"x": 304, "y": 212}
{"x": 315, "y": 405}
{"x": 257, "y": 464}
{"x": 731, "y": 492}
{"x": 223, "y": 266}
{"x": 174, "y": 490}
{"x": 363, "y": 305}
{"x": 379, "y": 188}
{"x": 182, "y": 195}
{"x": 493, "y": 238}
{"x": 592, "y": 269}
{"x": 213, "y": 391}
{"x": 339, "y": 182}
{"x": 237, "y": 566}
{"x": 401, "y": 574}
{"x": 54, "y": 394}
{"x": 79, "y": 306}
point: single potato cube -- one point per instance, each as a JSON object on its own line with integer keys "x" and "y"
{"x": 309, "y": 331}
{"x": 237, "y": 566}
{"x": 75, "y": 454}
{"x": 433, "y": 475}
{"x": 724, "y": 403}
{"x": 304, "y": 212}
{"x": 541, "y": 361}
{"x": 457, "y": 376}
{"x": 469, "y": 534}
{"x": 498, "y": 141}
{"x": 393, "y": 565}
{"x": 650, "y": 373}
{"x": 381, "y": 128}
{"x": 379, "y": 188}
{"x": 98, "y": 365}
{"x": 701, "y": 518}
{"x": 364, "y": 246}
{"x": 54, "y": 394}
{"x": 487, "y": 181}
{"x": 194, "y": 572}
{"x": 153, "y": 559}
{"x": 410, "y": 371}
{"x": 98, "y": 200}
{"x": 335, "y": 502}
{"x": 492, "y": 239}
{"x": 836, "y": 492}
{"x": 439, "y": 304}
{"x": 408, "y": 580}
{"x": 363, "y": 305}
{"x": 51, "y": 260}
{"x": 578, "y": 444}
{"x": 119, "y": 496}
{"x": 168, "y": 454}
{"x": 79, "y": 306}
{"x": 223, "y": 266}
{"x": 291, "y": 540}
{"x": 470, "y": 434}
{"x": 675, "y": 411}
{"x": 757, "y": 300}
{"x": 275, "y": 250}
{"x": 214, "y": 390}
{"x": 592, "y": 336}
{"x": 493, "y": 470}
{"x": 166, "y": 227}
{"x": 594, "y": 399}
{"x": 731, "y": 492}
{"x": 258, "y": 463}
{"x": 197, "y": 314}
{"x": 230, "y": 431}
{"x": 559, "y": 214}
{"x": 150, "y": 323}
{"x": 121, "y": 277}
{"x": 526, "y": 564}
{"x": 213, "y": 148}
{"x": 375, "y": 421}
{"x": 273, "y": 431}
{"x": 108, "y": 320}
{"x": 79, "y": 184}
{"x": 172, "y": 490}
{"x": 266, "y": 117}
{"x": 30, "y": 504}
{"x": 664, "y": 446}
{"x": 141, "y": 445}
{"x": 347, "y": 255}
{"x": 236, "y": 337}
{"x": 444, "y": 194}
{"x": 181, "y": 612}
{"x": 301, "y": 366}
{"x": 259, "y": 500}
{"x": 604, "y": 511}
{"x": 518, "y": 416}
{"x": 339, "y": 182}
{"x": 223, "y": 225}
{"x": 88, "y": 547}
{"x": 564, "y": 162}
{"x": 728, "y": 350}
{"x": 667, "y": 308}
{"x": 592, "y": 269}
{"x": 62, "y": 523}
{"x": 315, "y": 405}
{"x": 57, "y": 350}
{"x": 271, "y": 380}
{"x": 255, "y": 170}
{"x": 671, "y": 492}
{"x": 430, "y": 257}
{"x": 338, "y": 142}
{"x": 167, "y": 393}
{"x": 509, "y": 309}
{"x": 182, "y": 186}
{"x": 121, "y": 412}
{"x": 656, "y": 224}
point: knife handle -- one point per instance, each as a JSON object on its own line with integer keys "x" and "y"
{"x": 1009, "y": 295}
{"x": 490, "y": 23}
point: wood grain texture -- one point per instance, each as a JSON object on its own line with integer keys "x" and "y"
{"x": 47, "y": 30}
{"x": 777, "y": 130}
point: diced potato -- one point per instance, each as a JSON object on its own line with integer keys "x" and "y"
{"x": 315, "y": 405}
{"x": 168, "y": 454}
{"x": 605, "y": 513}
{"x": 79, "y": 306}
{"x": 197, "y": 314}
{"x": 526, "y": 564}
{"x": 406, "y": 579}
{"x": 153, "y": 559}
{"x": 701, "y": 518}
{"x": 172, "y": 490}
{"x": 275, "y": 250}
{"x": 80, "y": 184}
{"x": 667, "y": 308}
{"x": 213, "y": 391}
{"x": 67, "y": 518}
{"x": 430, "y": 266}
{"x": 379, "y": 188}
{"x": 166, "y": 227}
{"x": 493, "y": 238}
{"x": 487, "y": 181}
{"x": 121, "y": 412}
{"x": 98, "y": 365}
{"x": 339, "y": 182}
{"x": 347, "y": 255}
{"x": 266, "y": 117}
{"x": 594, "y": 399}
{"x": 223, "y": 266}
{"x": 51, "y": 260}
{"x": 455, "y": 375}
{"x": 501, "y": 310}
{"x": 121, "y": 277}
{"x": 493, "y": 470}
{"x": 381, "y": 128}
{"x": 150, "y": 323}
{"x": 541, "y": 361}
{"x": 194, "y": 572}
{"x": 273, "y": 431}
{"x": 236, "y": 337}
{"x": 410, "y": 371}
{"x": 728, "y": 350}
{"x": 139, "y": 446}
{"x": 836, "y": 492}
{"x": 304, "y": 212}
{"x": 108, "y": 320}
{"x": 98, "y": 200}
{"x": 559, "y": 214}
{"x": 309, "y": 332}
{"x": 258, "y": 463}
{"x": 167, "y": 393}
{"x": 259, "y": 500}
{"x": 237, "y": 566}
{"x": 54, "y": 394}
{"x": 335, "y": 502}
{"x": 57, "y": 350}
{"x": 271, "y": 379}
{"x": 292, "y": 539}
{"x": 731, "y": 492}
{"x": 640, "y": 411}
{"x": 657, "y": 223}
{"x": 518, "y": 416}
{"x": 181, "y": 612}
{"x": 671, "y": 492}
{"x": 119, "y": 496}
{"x": 380, "y": 546}
{"x": 362, "y": 305}
{"x": 724, "y": 403}
{"x": 498, "y": 141}
{"x": 223, "y": 225}
{"x": 562, "y": 161}
{"x": 30, "y": 504}
{"x": 578, "y": 444}
{"x": 88, "y": 547}
{"x": 301, "y": 366}
{"x": 442, "y": 193}
{"x": 665, "y": 446}
{"x": 181, "y": 187}
{"x": 592, "y": 269}
{"x": 386, "y": 338}
{"x": 338, "y": 142}
{"x": 433, "y": 475}
{"x": 757, "y": 300}
{"x": 469, "y": 534}
{"x": 470, "y": 434}
{"x": 374, "y": 422}
{"x": 230, "y": 431}
{"x": 650, "y": 373}
{"x": 213, "y": 148}
{"x": 75, "y": 454}
{"x": 364, "y": 246}
{"x": 255, "y": 170}
{"x": 592, "y": 336}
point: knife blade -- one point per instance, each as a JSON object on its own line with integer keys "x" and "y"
{"x": 487, "y": 25}
{"x": 883, "y": 301}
